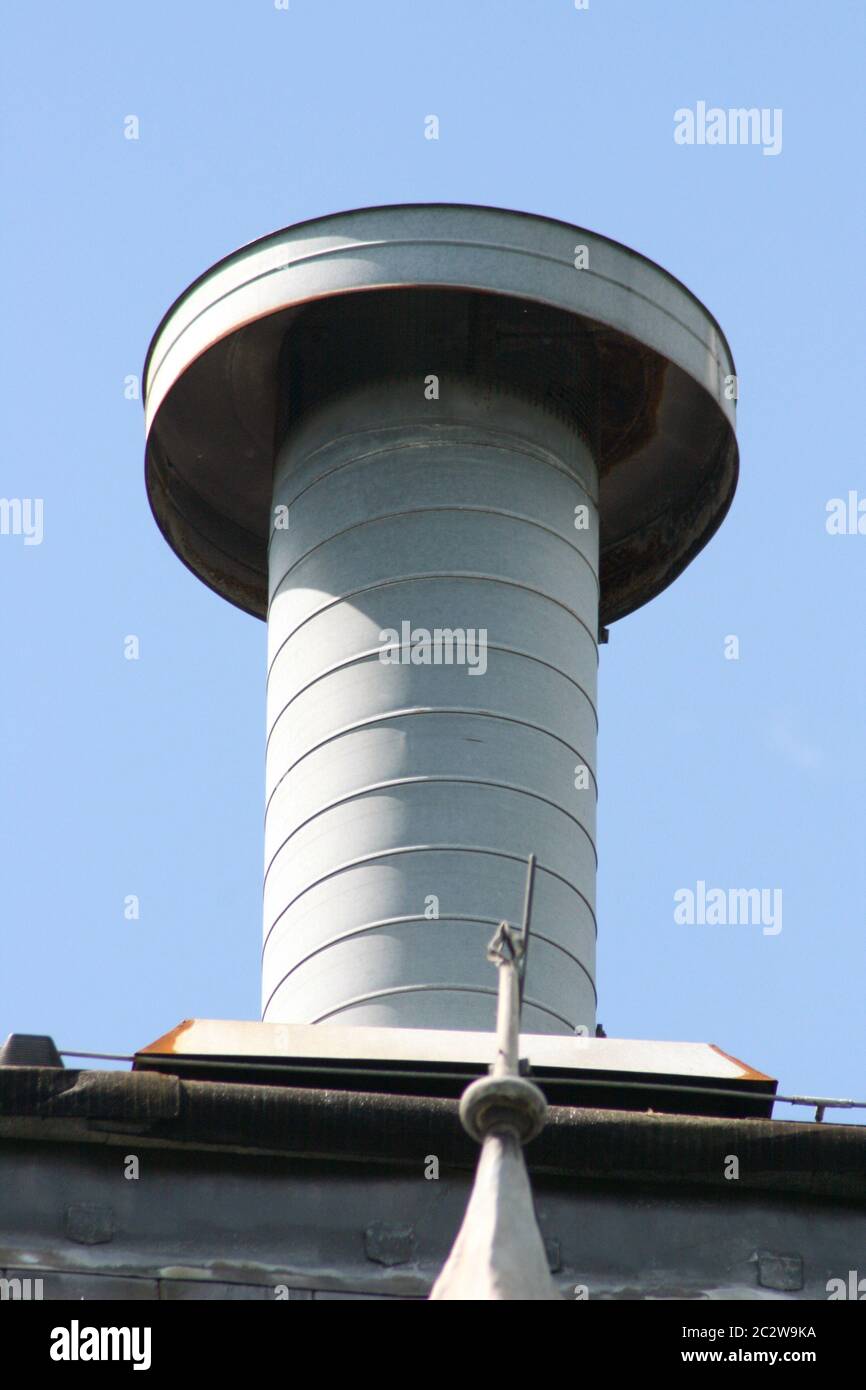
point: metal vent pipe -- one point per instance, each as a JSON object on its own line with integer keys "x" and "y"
{"x": 431, "y": 697}
{"x": 435, "y": 447}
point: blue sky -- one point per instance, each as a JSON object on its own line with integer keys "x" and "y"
{"x": 146, "y": 777}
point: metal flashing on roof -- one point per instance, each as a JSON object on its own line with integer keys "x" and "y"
{"x": 622, "y": 1073}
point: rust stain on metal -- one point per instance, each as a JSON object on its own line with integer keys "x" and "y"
{"x": 168, "y": 1043}
{"x": 748, "y": 1073}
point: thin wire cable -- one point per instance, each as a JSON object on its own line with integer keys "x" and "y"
{"x": 101, "y": 1056}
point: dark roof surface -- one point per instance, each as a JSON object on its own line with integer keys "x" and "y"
{"x": 783, "y": 1157}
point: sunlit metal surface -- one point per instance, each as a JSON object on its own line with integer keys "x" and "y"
{"x": 403, "y": 796}
{"x": 668, "y": 456}
{"x": 424, "y": 420}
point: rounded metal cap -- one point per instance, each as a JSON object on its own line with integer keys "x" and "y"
{"x": 495, "y": 1103}
{"x": 663, "y": 372}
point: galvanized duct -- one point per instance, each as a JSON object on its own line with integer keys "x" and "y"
{"x": 406, "y": 789}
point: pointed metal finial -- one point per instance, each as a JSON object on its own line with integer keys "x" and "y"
{"x": 499, "y": 1253}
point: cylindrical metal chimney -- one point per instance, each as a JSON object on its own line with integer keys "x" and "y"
{"x": 409, "y": 436}
{"x": 431, "y": 693}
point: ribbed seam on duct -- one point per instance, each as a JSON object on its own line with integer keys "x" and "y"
{"x": 408, "y": 777}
